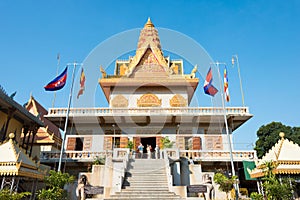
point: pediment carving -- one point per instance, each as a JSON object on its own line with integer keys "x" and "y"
{"x": 149, "y": 100}
{"x": 178, "y": 101}
{"x": 119, "y": 101}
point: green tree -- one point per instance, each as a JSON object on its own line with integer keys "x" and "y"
{"x": 130, "y": 145}
{"x": 55, "y": 183}
{"x": 276, "y": 189}
{"x": 268, "y": 135}
{"x": 166, "y": 142}
{"x": 225, "y": 183}
{"x": 5, "y": 194}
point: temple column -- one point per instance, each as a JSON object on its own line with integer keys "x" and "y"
{"x": 32, "y": 139}
{"x": 25, "y": 132}
{"x": 9, "y": 116}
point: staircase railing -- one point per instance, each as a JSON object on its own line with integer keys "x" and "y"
{"x": 168, "y": 169}
{"x": 119, "y": 169}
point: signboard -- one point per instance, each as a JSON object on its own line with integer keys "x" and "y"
{"x": 197, "y": 188}
{"x": 93, "y": 189}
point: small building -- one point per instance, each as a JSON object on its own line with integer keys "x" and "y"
{"x": 285, "y": 155}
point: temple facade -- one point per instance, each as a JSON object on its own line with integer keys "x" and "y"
{"x": 149, "y": 98}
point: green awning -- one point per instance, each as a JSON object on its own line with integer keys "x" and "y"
{"x": 248, "y": 165}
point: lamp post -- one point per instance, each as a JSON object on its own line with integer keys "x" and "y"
{"x": 235, "y": 57}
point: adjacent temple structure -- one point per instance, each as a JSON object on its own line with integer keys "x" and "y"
{"x": 149, "y": 99}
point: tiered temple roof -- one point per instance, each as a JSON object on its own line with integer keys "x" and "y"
{"x": 17, "y": 163}
{"x": 50, "y": 132}
{"x": 284, "y": 154}
{"x": 149, "y": 67}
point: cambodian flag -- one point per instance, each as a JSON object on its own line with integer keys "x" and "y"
{"x": 208, "y": 87}
{"x": 58, "y": 83}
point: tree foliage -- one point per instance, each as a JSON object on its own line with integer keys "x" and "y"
{"x": 5, "y": 194}
{"x": 55, "y": 183}
{"x": 268, "y": 135}
{"x": 225, "y": 183}
{"x": 166, "y": 142}
{"x": 275, "y": 188}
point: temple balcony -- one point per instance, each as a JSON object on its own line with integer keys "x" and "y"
{"x": 196, "y": 155}
{"x": 200, "y": 116}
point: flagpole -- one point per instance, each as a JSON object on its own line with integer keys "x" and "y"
{"x": 226, "y": 128}
{"x": 235, "y": 57}
{"x": 67, "y": 117}
{"x": 58, "y": 61}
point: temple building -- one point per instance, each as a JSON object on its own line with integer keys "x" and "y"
{"x": 20, "y": 170}
{"x": 149, "y": 98}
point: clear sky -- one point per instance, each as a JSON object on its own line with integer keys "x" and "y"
{"x": 264, "y": 34}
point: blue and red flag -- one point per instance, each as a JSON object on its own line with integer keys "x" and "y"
{"x": 58, "y": 83}
{"x": 208, "y": 87}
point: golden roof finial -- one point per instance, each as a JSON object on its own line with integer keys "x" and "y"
{"x": 281, "y": 134}
{"x": 11, "y": 136}
{"x": 149, "y": 23}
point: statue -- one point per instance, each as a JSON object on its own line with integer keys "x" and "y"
{"x": 193, "y": 72}
{"x": 82, "y": 181}
{"x": 103, "y": 72}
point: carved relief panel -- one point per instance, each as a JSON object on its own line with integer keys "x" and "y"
{"x": 119, "y": 101}
{"x": 178, "y": 101}
{"x": 149, "y": 100}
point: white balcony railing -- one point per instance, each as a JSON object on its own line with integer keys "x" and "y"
{"x": 55, "y": 112}
{"x": 218, "y": 155}
{"x": 83, "y": 156}
{"x": 197, "y": 155}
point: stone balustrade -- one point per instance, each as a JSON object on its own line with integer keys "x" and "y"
{"x": 82, "y": 156}
{"x": 54, "y": 112}
{"x": 218, "y": 155}
{"x": 200, "y": 155}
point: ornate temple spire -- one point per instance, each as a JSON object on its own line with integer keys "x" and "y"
{"x": 149, "y": 37}
{"x": 149, "y": 23}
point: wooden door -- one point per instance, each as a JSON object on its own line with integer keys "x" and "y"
{"x": 123, "y": 142}
{"x": 136, "y": 142}
{"x": 71, "y": 144}
{"x": 197, "y": 143}
{"x": 107, "y": 143}
{"x": 158, "y": 141}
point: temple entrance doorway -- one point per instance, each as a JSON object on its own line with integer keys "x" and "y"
{"x": 150, "y": 141}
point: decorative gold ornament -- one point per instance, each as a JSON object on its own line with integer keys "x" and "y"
{"x": 178, "y": 101}
{"x": 149, "y": 100}
{"x": 119, "y": 101}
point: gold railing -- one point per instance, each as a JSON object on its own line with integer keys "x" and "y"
{"x": 146, "y": 111}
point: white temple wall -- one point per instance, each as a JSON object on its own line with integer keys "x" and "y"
{"x": 165, "y": 94}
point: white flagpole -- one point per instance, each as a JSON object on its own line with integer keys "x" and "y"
{"x": 226, "y": 128}
{"x": 67, "y": 118}
{"x": 58, "y": 61}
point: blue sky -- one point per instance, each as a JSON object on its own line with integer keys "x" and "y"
{"x": 264, "y": 34}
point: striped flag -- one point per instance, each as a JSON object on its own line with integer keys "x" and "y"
{"x": 226, "y": 90}
{"x": 57, "y": 83}
{"x": 82, "y": 83}
{"x": 208, "y": 87}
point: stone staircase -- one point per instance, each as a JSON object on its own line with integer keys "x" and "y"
{"x": 146, "y": 179}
